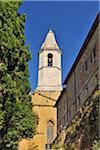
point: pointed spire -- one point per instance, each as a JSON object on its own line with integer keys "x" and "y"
{"x": 50, "y": 41}
{"x": 50, "y": 30}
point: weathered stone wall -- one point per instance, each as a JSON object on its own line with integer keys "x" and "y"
{"x": 81, "y": 83}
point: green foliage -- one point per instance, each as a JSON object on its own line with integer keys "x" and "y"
{"x": 96, "y": 145}
{"x": 16, "y": 117}
{"x": 56, "y": 146}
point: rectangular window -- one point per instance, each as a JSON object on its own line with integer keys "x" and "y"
{"x": 48, "y": 146}
{"x": 86, "y": 66}
{"x": 91, "y": 58}
{"x": 87, "y": 89}
{"x": 83, "y": 69}
{"x": 79, "y": 100}
{"x": 50, "y": 133}
{"x": 94, "y": 52}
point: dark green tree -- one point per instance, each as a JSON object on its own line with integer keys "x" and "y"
{"x": 16, "y": 117}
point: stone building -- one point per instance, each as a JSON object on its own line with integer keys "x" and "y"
{"x": 47, "y": 92}
{"x": 81, "y": 81}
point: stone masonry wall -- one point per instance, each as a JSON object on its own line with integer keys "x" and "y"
{"x": 81, "y": 83}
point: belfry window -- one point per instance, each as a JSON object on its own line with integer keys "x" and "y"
{"x": 50, "y": 59}
{"x": 50, "y": 127}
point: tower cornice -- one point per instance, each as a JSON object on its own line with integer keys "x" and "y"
{"x": 49, "y": 49}
{"x": 49, "y": 67}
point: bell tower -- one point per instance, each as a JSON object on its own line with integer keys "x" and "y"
{"x": 47, "y": 92}
{"x": 49, "y": 70}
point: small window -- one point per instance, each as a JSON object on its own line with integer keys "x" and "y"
{"x": 79, "y": 101}
{"x": 50, "y": 126}
{"x": 48, "y": 146}
{"x": 50, "y": 59}
{"x": 87, "y": 89}
{"x": 86, "y": 66}
{"x": 82, "y": 68}
{"x": 94, "y": 51}
{"x": 91, "y": 58}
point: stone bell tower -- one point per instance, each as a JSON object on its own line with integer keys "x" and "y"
{"x": 49, "y": 71}
{"x": 46, "y": 94}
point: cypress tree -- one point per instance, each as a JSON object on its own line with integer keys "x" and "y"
{"x": 16, "y": 117}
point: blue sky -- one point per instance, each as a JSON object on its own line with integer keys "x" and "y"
{"x": 71, "y": 22}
